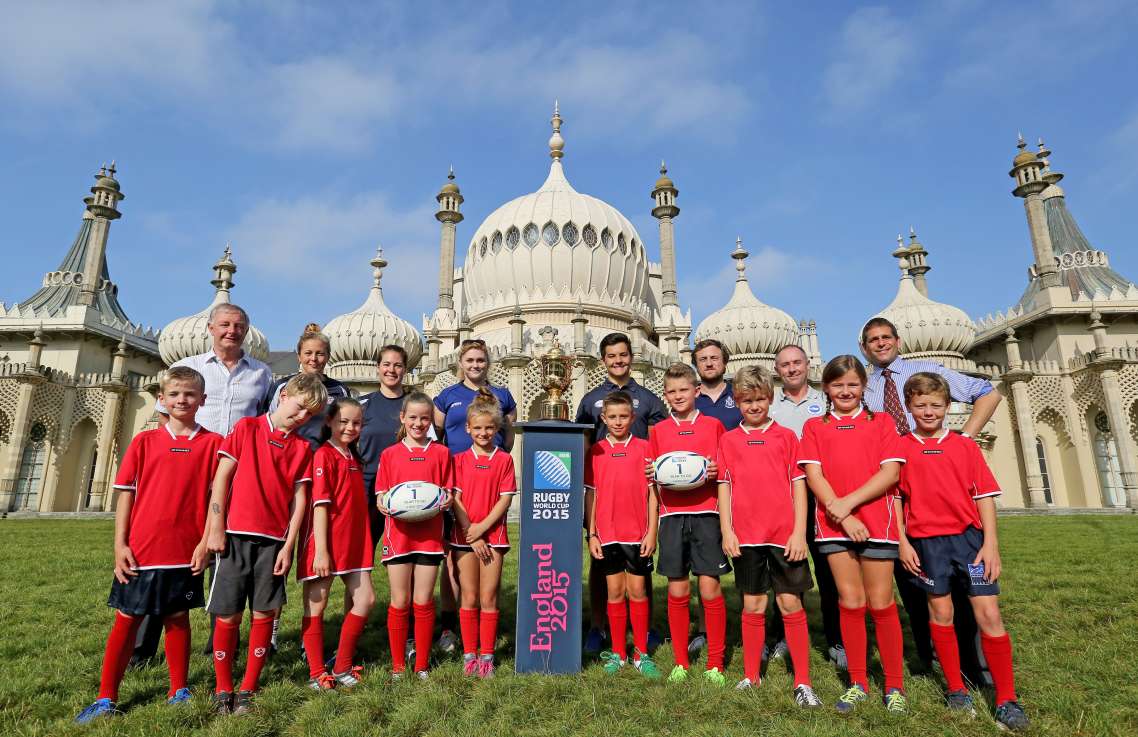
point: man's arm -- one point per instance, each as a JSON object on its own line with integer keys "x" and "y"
{"x": 978, "y": 392}
{"x": 982, "y": 411}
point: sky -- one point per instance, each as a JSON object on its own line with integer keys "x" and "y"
{"x": 309, "y": 133}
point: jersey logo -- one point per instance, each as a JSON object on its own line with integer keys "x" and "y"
{"x": 730, "y": 403}
{"x": 452, "y": 405}
{"x": 619, "y": 455}
{"x": 846, "y": 427}
{"x": 600, "y": 403}
{"x": 756, "y": 442}
{"x": 416, "y": 459}
{"x": 976, "y": 574}
{"x": 179, "y": 450}
{"x": 481, "y": 467}
{"x": 319, "y": 471}
{"x": 931, "y": 452}
{"x": 635, "y": 403}
{"x": 686, "y": 432}
{"x": 276, "y": 444}
{"x": 814, "y": 409}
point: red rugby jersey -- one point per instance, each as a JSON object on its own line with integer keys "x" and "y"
{"x": 402, "y": 462}
{"x": 850, "y": 450}
{"x": 338, "y": 482}
{"x": 761, "y": 464}
{"x": 940, "y": 482}
{"x": 615, "y": 471}
{"x": 270, "y": 463}
{"x": 170, "y": 477}
{"x": 699, "y": 435}
{"x": 482, "y": 481}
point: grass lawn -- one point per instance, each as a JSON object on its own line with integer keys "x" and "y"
{"x": 1070, "y": 601}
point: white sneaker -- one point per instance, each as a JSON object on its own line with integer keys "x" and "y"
{"x": 804, "y": 696}
{"x": 423, "y": 675}
{"x": 744, "y": 684}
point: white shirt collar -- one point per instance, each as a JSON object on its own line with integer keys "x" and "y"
{"x": 625, "y": 442}
{"x": 939, "y": 438}
{"x": 853, "y": 416}
{"x": 763, "y": 428}
{"x": 191, "y": 435}
{"x": 695, "y": 414}
{"x": 408, "y": 446}
{"x": 476, "y": 456}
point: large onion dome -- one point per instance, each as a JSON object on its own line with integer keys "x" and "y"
{"x": 750, "y": 329}
{"x": 357, "y": 336}
{"x": 189, "y": 336}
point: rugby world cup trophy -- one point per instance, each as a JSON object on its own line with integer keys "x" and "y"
{"x": 552, "y": 507}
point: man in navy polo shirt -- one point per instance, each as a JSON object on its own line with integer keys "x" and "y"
{"x": 648, "y": 409}
{"x": 715, "y": 397}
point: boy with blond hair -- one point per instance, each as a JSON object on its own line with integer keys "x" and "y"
{"x": 259, "y": 500}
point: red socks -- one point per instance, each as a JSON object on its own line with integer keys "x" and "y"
{"x": 260, "y": 639}
{"x": 116, "y": 657}
{"x": 178, "y": 650}
{"x": 798, "y": 642}
{"x": 468, "y": 625}
{"x": 312, "y": 635}
{"x": 754, "y": 634}
{"x": 998, "y": 653}
{"x": 618, "y": 628}
{"x": 715, "y": 615}
{"x": 679, "y": 620}
{"x": 889, "y": 645}
{"x": 397, "y": 638}
{"x": 853, "y": 637}
{"x": 350, "y": 632}
{"x": 638, "y": 614}
{"x": 224, "y": 643}
{"x": 948, "y": 652}
{"x": 424, "y": 629}
{"x": 487, "y": 631}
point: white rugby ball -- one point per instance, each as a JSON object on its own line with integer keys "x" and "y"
{"x": 680, "y": 470}
{"x": 414, "y": 501}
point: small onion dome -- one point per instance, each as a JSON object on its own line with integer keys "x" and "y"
{"x": 189, "y": 336}
{"x": 1024, "y": 156}
{"x": 926, "y": 326}
{"x": 106, "y": 177}
{"x": 746, "y": 325}
{"x": 450, "y": 186}
{"x": 664, "y": 182}
{"x": 358, "y": 335}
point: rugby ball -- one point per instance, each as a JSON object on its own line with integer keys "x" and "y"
{"x": 414, "y": 501}
{"x": 680, "y": 470}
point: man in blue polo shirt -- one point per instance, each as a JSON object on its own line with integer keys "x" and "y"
{"x": 715, "y": 397}
{"x": 648, "y": 409}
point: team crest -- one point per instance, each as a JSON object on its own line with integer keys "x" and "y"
{"x": 219, "y": 655}
{"x": 259, "y": 652}
{"x": 814, "y": 409}
{"x": 319, "y": 471}
{"x": 730, "y": 403}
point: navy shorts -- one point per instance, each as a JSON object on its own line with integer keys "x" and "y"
{"x": 947, "y": 559}
{"x": 624, "y": 558}
{"x": 158, "y": 592}
{"x": 761, "y": 568}
{"x": 244, "y": 575}
{"x": 691, "y": 542}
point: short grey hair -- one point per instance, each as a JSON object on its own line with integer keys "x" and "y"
{"x": 228, "y": 307}
{"x": 792, "y": 346}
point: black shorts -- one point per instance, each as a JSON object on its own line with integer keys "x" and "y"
{"x": 947, "y": 559}
{"x": 624, "y": 558}
{"x": 868, "y": 549}
{"x": 764, "y": 567}
{"x": 158, "y": 592}
{"x": 691, "y": 543}
{"x": 244, "y": 575}
{"x": 418, "y": 559}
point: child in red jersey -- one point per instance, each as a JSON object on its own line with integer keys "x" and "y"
{"x": 852, "y": 458}
{"x": 762, "y": 513}
{"x": 259, "y": 500}
{"x": 336, "y": 541}
{"x": 690, "y": 540}
{"x": 949, "y": 531}
{"x": 622, "y": 516}
{"x": 160, "y": 552}
{"x": 484, "y": 477}
{"x": 412, "y": 551}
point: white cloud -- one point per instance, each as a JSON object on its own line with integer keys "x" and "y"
{"x": 872, "y": 53}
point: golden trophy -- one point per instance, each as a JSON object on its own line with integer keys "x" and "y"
{"x": 556, "y": 375}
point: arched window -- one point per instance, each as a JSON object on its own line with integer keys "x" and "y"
{"x": 1043, "y": 470}
{"x": 1106, "y": 462}
{"x": 30, "y": 478}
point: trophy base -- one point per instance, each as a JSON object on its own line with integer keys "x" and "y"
{"x": 554, "y": 410}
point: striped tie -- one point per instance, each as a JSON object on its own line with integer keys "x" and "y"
{"x": 893, "y": 403}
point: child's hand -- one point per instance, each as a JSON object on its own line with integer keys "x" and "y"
{"x": 474, "y": 532}
{"x": 838, "y": 509}
{"x": 712, "y": 470}
{"x": 448, "y": 500}
{"x": 648, "y": 546}
{"x": 200, "y": 559}
{"x": 855, "y": 529}
{"x": 595, "y": 548}
{"x": 125, "y": 564}
{"x": 283, "y": 562}
{"x": 909, "y": 558}
{"x": 482, "y": 550}
{"x": 379, "y": 505}
{"x": 215, "y": 543}
{"x": 650, "y": 471}
{"x": 989, "y": 555}
{"x": 731, "y": 544}
{"x": 322, "y": 564}
{"x": 795, "y": 547}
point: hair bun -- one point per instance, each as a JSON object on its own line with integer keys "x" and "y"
{"x": 312, "y": 327}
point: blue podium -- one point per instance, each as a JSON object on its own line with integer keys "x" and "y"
{"x": 549, "y": 552}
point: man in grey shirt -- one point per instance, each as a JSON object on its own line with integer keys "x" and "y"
{"x": 793, "y": 404}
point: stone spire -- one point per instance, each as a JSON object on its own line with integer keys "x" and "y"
{"x": 1027, "y": 170}
{"x": 664, "y": 195}
{"x": 918, "y": 262}
{"x": 449, "y": 215}
{"x": 556, "y": 142}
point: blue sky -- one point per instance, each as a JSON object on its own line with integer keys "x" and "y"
{"x": 308, "y": 133}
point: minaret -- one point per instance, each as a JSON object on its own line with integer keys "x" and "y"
{"x": 449, "y": 199}
{"x": 918, "y": 264}
{"x": 664, "y": 194}
{"x": 1027, "y": 170}
{"x": 102, "y": 208}
{"x": 222, "y": 280}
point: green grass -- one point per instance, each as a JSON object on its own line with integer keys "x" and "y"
{"x": 1070, "y": 602}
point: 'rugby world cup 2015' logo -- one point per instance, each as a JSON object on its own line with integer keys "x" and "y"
{"x": 551, "y": 470}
